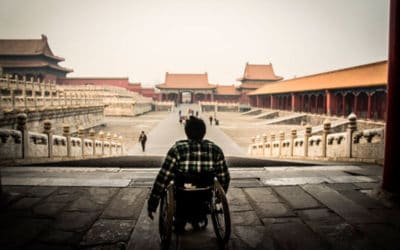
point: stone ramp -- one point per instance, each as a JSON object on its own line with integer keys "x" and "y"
{"x": 265, "y": 115}
{"x": 253, "y": 111}
{"x": 169, "y": 130}
{"x": 283, "y": 119}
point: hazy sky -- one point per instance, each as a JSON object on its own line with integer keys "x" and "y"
{"x": 143, "y": 39}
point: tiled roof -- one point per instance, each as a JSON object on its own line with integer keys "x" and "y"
{"x": 368, "y": 75}
{"x": 227, "y": 90}
{"x": 27, "y": 47}
{"x": 259, "y": 72}
{"x": 251, "y": 85}
{"x": 186, "y": 81}
{"x": 31, "y": 64}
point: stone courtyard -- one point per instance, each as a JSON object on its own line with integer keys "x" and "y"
{"x": 100, "y": 203}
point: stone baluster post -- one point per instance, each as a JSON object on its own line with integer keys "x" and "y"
{"x": 122, "y": 146}
{"x": 258, "y": 141}
{"x": 325, "y": 132}
{"x": 306, "y": 137}
{"x": 81, "y": 135}
{"x": 281, "y": 138}
{"x": 48, "y": 131}
{"x": 92, "y": 135}
{"x": 293, "y": 136}
{"x": 21, "y": 126}
{"x": 12, "y": 92}
{"x": 32, "y": 80}
{"x": 101, "y": 138}
{"x": 115, "y": 140}
{"x": 253, "y": 142}
{"x": 108, "y": 138}
{"x": 24, "y": 81}
{"x": 67, "y": 134}
{"x": 351, "y": 128}
{"x": 52, "y": 87}
{"x": 264, "y": 143}
{"x": 271, "y": 144}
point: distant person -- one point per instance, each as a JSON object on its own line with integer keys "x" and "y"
{"x": 197, "y": 113}
{"x": 211, "y": 119}
{"x": 142, "y": 140}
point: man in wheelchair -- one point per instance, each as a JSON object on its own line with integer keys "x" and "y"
{"x": 192, "y": 164}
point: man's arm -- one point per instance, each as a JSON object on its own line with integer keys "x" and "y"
{"x": 163, "y": 178}
{"x": 222, "y": 171}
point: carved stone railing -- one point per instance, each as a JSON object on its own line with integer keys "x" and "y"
{"x": 219, "y": 106}
{"x": 365, "y": 145}
{"x": 24, "y": 144}
{"x": 164, "y": 106}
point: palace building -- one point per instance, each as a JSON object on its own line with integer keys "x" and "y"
{"x": 192, "y": 88}
{"x": 31, "y": 58}
{"x": 195, "y": 86}
{"x": 254, "y": 77}
{"x": 360, "y": 89}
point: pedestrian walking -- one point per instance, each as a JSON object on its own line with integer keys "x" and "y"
{"x": 142, "y": 140}
{"x": 211, "y": 119}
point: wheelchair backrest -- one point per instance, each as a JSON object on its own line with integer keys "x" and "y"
{"x": 202, "y": 179}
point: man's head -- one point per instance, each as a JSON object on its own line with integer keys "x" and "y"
{"x": 195, "y": 128}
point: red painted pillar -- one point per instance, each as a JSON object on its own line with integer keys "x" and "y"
{"x": 344, "y": 105}
{"x": 369, "y": 107}
{"x": 272, "y": 102}
{"x": 293, "y": 102}
{"x": 355, "y": 104}
{"x": 391, "y": 167}
{"x": 257, "y": 101}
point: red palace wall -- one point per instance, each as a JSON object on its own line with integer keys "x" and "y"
{"x": 118, "y": 82}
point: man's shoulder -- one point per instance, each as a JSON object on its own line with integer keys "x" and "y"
{"x": 212, "y": 144}
{"x": 180, "y": 143}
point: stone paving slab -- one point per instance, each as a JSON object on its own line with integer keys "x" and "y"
{"x": 297, "y": 197}
{"x": 290, "y": 234}
{"x": 341, "y": 205}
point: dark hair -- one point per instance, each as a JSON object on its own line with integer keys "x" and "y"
{"x": 195, "y": 128}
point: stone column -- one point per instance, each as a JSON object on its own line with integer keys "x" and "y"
{"x": 264, "y": 142}
{"x": 81, "y": 135}
{"x": 325, "y": 132}
{"x": 271, "y": 144}
{"x": 108, "y": 138}
{"x": 47, "y": 130}
{"x": 391, "y": 166}
{"x": 92, "y": 136}
{"x": 122, "y": 146}
{"x": 281, "y": 138}
{"x": 67, "y": 134}
{"x": 101, "y": 138}
{"x": 351, "y": 127}
{"x": 253, "y": 141}
{"x": 21, "y": 126}
{"x": 293, "y": 136}
{"x": 306, "y": 137}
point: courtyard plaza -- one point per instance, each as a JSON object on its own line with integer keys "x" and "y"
{"x": 274, "y": 204}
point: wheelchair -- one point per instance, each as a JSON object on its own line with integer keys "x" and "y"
{"x": 189, "y": 198}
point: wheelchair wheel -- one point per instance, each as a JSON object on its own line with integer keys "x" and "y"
{"x": 220, "y": 214}
{"x": 167, "y": 210}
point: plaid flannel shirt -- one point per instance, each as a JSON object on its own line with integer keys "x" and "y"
{"x": 189, "y": 156}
